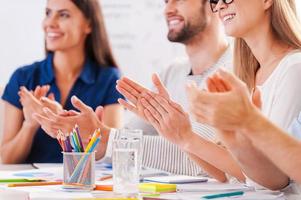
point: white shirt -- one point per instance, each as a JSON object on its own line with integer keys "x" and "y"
{"x": 158, "y": 152}
{"x": 281, "y": 92}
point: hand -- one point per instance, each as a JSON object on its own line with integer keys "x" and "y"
{"x": 31, "y": 104}
{"x": 226, "y": 106}
{"x": 86, "y": 119}
{"x": 132, "y": 91}
{"x": 168, "y": 118}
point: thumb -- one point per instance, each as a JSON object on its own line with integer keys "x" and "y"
{"x": 159, "y": 85}
{"x": 229, "y": 79}
{"x": 256, "y": 98}
{"x": 78, "y": 104}
{"x": 99, "y": 112}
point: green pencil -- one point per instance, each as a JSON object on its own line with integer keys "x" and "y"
{"x": 19, "y": 180}
{"x": 221, "y": 195}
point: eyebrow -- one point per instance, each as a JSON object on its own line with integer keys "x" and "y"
{"x": 61, "y": 10}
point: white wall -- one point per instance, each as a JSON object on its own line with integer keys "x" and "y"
{"x": 136, "y": 27}
{"x": 139, "y": 43}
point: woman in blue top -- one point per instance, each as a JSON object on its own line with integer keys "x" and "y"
{"x": 79, "y": 63}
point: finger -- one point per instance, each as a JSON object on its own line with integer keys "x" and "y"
{"x": 151, "y": 98}
{"x": 128, "y": 106}
{"x": 220, "y": 84}
{"x": 51, "y": 96}
{"x": 37, "y": 91}
{"x": 211, "y": 85}
{"x": 42, "y": 120}
{"x": 139, "y": 88}
{"x": 159, "y": 85}
{"x": 52, "y": 116}
{"x": 130, "y": 86}
{"x": 229, "y": 79}
{"x": 53, "y": 105}
{"x": 99, "y": 112}
{"x": 149, "y": 117}
{"x": 78, "y": 104}
{"x": 44, "y": 90}
{"x": 152, "y": 110}
{"x": 196, "y": 95}
{"x": 128, "y": 95}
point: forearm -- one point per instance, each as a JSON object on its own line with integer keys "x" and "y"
{"x": 283, "y": 150}
{"x": 209, "y": 152}
{"x": 18, "y": 148}
{"x": 210, "y": 169}
{"x": 255, "y": 164}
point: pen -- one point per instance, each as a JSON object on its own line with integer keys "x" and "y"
{"x": 221, "y": 195}
{"x": 34, "y": 184}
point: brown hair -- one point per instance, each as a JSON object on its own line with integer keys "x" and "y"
{"x": 287, "y": 29}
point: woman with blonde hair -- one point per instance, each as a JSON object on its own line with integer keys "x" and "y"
{"x": 267, "y": 58}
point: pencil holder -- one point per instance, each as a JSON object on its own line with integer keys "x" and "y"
{"x": 79, "y": 170}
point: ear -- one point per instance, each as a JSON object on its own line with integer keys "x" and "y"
{"x": 267, "y": 4}
{"x": 88, "y": 28}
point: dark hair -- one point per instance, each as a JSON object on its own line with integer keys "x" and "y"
{"x": 97, "y": 46}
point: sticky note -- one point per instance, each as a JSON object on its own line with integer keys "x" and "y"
{"x": 157, "y": 187}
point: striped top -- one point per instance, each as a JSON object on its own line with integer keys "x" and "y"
{"x": 159, "y": 153}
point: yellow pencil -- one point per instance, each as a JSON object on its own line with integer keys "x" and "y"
{"x": 34, "y": 184}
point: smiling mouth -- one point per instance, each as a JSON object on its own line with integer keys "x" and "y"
{"x": 228, "y": 17}
{"x": 53, "y": 35}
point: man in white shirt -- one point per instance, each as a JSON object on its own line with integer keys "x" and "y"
{"x": 192, "y": 23}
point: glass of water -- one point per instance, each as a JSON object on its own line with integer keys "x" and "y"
{"x": 127, "y": 156}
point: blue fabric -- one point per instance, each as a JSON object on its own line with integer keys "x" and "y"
{"x": 95, "y": 86}
{"x": 295, "y": 128}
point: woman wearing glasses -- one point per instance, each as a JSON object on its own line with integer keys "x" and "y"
{"x": 267, "y": 56}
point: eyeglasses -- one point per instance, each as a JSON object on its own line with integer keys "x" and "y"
{"x": 213, "y": 4}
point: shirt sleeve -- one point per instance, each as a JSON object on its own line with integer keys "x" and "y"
{"x": 295, "y": 128}
{"x": 158, "y": 153}
{"x": 11, "y": 90}
{"x": 287, "y": 103}
{"x": 112, "y": 94}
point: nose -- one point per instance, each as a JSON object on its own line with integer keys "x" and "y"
{"x": 50, "y": 21}
{"x": 170, "y": 7}
{"x": 220, "y": 6}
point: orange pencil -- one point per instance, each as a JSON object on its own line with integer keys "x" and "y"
{"x": 104, "y": 187}
{"x": 34, "y": 184}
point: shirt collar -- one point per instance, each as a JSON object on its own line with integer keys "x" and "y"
{"x": 87, "y": 74}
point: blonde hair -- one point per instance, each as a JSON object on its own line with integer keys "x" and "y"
{"x": 287, "y": 29}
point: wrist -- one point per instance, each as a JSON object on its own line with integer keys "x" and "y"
{"x": 187, "y": 141}
{"x": 30, "y": 125}
{"x": 253, "y": 122}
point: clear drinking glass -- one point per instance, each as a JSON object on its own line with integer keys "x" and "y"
{"x": 79, "y": 170}
{"x": 127, "y": 156}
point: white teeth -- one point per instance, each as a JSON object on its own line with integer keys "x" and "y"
{"x": 174, "y": 22}
{"x": 51, "y": 34}
{"x": 228, "y": 17}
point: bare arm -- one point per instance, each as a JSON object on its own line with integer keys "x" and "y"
{"x": 228, "y": 108}
{"x": 17, "y": 136}
{"x": 283, "y": 150}
{"x": 211, "y": 170}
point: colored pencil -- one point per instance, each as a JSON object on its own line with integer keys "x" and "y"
{"x": 34, "y": 184}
